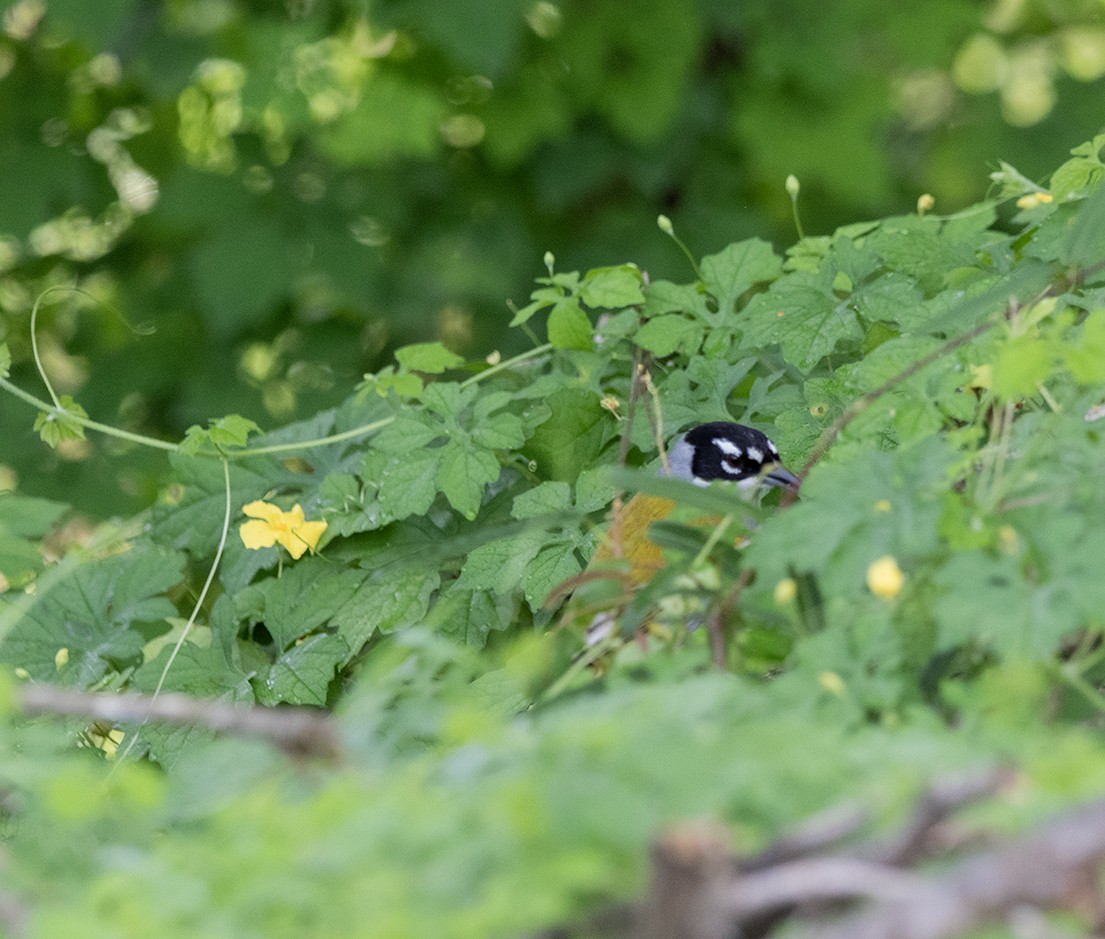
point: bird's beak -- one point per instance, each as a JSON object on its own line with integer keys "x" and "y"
{"x": 782, "y": 477}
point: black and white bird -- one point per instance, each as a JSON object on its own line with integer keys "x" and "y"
{"x": 727, "y": 451}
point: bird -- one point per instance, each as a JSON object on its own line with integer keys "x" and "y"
{"x": 719, "y": 450}
{"x": 627, "y": 558}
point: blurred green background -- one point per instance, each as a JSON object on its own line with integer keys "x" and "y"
{"x": 287, "y": 191}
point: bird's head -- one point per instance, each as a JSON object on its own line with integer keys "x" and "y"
{"x": 723, "y": 450}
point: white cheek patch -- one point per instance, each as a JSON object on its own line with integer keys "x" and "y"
{"x": 727, "y": 447}
{"x": 755, "y": 454}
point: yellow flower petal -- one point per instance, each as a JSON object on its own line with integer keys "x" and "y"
{"x": 310, "y": 533}
{"x": 885, "y": 578}
{"x": 262, "y": 509}
{"x": 257, "y": 534}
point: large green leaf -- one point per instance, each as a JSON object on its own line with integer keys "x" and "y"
{"x": 94, "y": 615}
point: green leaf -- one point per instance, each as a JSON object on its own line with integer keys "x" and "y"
{"x": 307, "y": 595}
{"x": 543, "y": 499}
{"x": 23, "y": 518}
{"x": 391, "y": 598}
{"x": 1074, "y": 177}
{"x": 462, "y": 475}
{"x": 569, "y": 327}
{"x": 695, "y": 395}
{"x": 5, "y": 360}
{"x": 541, "y": 298}
{"x": 28, "y": 516}
{"x": 94, "y": 614}
{"x": 448, "y": 398}
{"x": 662, "y": 296}
{"x": 572, "y": 437}
{"x": 1085, "y": 242}
{"x": 594, "y": 489}
{"x": 430, "y": 357}
{"x": 550, "y": 567}
{"x": 1085, "y": 356}
{"x": 468, "y": 616}
{"x": 406, "y": 483}
{"x": 612, "y": 287}
{"x": 407, "y": 433}
{"x": 731, "y": 272}
{"x": 231, "y": 431}
{"x": 302, "y": 675}
{"x": 803, "y": 316}
{"x": 1022, "y": 365}
{"x": 668, "y": 334}
{"x": 501, "y": 565}
{"x": 500, "y": 432}
{"x": 55, "y": 426}
{"x": 199, "y": 670}
{"x": 342, "y": 502}
{"x": 386, "y": 381}
{"x": 892, "y": 298}
{"x": 221, "y": 433}
{"x": 986, "y": 602}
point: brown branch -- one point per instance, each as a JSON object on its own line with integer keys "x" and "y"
{"x": 691, "y": 871}
{"x": 297, "y": 731}
{"x": 700, "y": 890}
{"x": 1046, "y": 869}
{"x": 811, "y": 837}
{"x": 814, "y": 881}
{"x": 939, "y": 802}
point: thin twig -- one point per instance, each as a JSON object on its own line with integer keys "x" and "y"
{"x": 857, "y": 407}
{"x": 714, "y": 619}
{"x": 298, "y": 731}
{"x": 614, "y": 533}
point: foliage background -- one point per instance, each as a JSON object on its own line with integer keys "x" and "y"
{"x": 288, "y": 194}
{"x": 285, "y": 192}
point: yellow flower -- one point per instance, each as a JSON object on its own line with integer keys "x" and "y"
{"x": 61, "y": 658}
{"x": 832, "y": 683}
{"x": 885, "y": 578}
{"x": 1033, "y": 199}
{"x": 1007, "y": 538}
{"x": 925, "y": 203}
{"x": 785, "y": 591}
{"x": 982, "y": 377}
{"x": 106, "y": 739}
{"x": 271, "y": 525}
